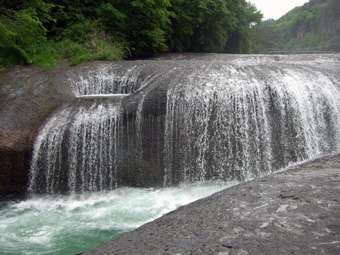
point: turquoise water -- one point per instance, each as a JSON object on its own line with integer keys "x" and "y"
{"x": 74, "y": 223}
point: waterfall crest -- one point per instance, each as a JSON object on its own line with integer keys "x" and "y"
{"x": 106, "y": 79}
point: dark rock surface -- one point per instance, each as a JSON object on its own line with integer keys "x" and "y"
{"x": 27, "y": 97}
{"x": 292, "y": 212}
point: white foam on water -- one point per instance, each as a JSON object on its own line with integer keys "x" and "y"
{"x": 54, "y": 224}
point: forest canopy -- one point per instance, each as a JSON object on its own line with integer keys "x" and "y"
{"x": 42, "y": 32}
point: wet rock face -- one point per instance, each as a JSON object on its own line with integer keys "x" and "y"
{"x": 27, "y": 98}
{"x": 13, "y": 174}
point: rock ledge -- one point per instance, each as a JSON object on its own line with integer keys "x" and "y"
{"x": 292, "y": 212}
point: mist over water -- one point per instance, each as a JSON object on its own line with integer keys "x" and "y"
{"x": 75, "y": 223}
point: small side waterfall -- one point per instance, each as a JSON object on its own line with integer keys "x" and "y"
{"x": 186, "y": 121}
{"x": 77, "y": 150}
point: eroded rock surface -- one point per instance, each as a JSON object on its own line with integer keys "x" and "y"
{"x": 293, "y": 212}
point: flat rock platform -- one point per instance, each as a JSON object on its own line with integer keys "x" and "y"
{"x": 292, "y": 212}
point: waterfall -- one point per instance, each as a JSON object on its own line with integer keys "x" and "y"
{"x": 77, "y": 150}
{"x": 139, "y": 129}
{"x": 186, "y": 121}
{"x": 240, "y": 122}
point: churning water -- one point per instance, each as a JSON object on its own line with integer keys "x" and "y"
{"x": 71, "y": 224}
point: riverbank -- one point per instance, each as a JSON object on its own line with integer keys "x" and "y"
{"x": 292, "y": 212}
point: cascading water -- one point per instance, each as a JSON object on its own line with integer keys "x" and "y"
{"x": 186, "y": 121}
{"x": 111, "y": 79}
{"x": 241, "y": 122}
{"x": 77, "y": 150}
{"x": 107, "y": 80}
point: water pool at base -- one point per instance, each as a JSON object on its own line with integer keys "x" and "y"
{"x": 75, "y": 223}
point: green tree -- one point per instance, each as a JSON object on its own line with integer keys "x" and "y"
{"x": 43, "y": 31}
{"x": 211, "y": 25}
{"x": 143, "y": 24}
{"x": 246, "y": 16}
{"x": 22, "y": 33}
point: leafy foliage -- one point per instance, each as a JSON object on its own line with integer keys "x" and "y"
{"x": 43, "y": 31}
{"x": 22, "y": 33}
{"x": 211, "y": 25}
{"x": 143, "y": 24}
